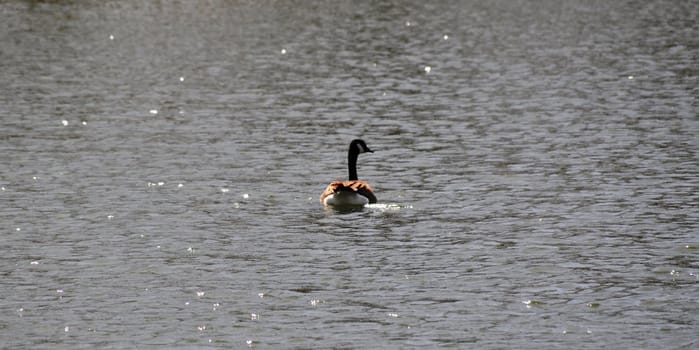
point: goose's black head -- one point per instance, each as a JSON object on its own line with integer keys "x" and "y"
{"x": 359, "y": 146}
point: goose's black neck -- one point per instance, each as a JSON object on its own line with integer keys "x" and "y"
{"x": 352, "y": 162}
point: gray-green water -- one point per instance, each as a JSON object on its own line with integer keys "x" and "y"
{"x": 161, "y": 164}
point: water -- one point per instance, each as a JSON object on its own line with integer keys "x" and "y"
{"x": 162, "y": 162}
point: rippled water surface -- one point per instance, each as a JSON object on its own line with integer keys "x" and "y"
{"x": 535, "y": 163}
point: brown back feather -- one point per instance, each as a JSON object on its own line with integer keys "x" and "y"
{"x": 359, "y": 186}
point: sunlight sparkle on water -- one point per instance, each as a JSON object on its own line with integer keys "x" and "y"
{"x": 530, "y": 303}
{"x": 388, "y": 206}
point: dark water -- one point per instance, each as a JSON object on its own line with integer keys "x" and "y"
{"x": 162, "y": 161}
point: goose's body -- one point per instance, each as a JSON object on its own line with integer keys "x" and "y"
{"x": 352, "y": 192}
{"x": 348, "y": 193}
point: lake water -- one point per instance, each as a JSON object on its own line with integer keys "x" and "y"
{"x": 535, "y": 162}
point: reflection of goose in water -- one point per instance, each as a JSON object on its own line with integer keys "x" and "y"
{"x": 352, "y": 192}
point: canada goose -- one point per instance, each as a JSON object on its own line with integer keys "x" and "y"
{"x": 352, "y": 192}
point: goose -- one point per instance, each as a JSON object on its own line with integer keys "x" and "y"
{"x": 352, "y": 192}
